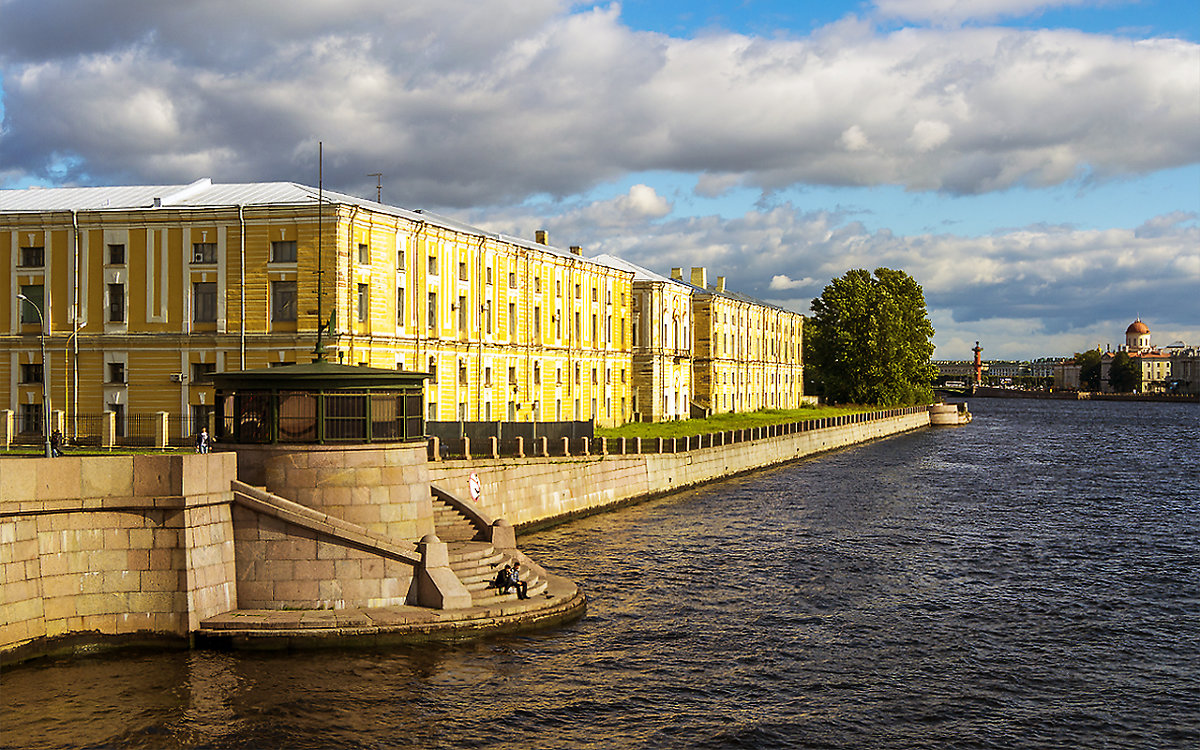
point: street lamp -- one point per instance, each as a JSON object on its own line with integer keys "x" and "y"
{"x": 45, "y": 374}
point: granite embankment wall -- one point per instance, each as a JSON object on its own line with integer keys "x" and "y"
{"x": 534, "y": 490}
{"x": 114, "y": 545}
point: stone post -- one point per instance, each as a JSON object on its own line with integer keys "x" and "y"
{"x": 495, "y": 446}
{"x": 161, "y": 432}
{"x": 435, "y": 449}
{"x": 502, "y": 535}
{"x": 566, "y": 446}
{"x": 108, "y": 430}
{"x": 637, "y": 445}
{"x": 586, "y": 448}
{"x": 543, "y": 446}
{"x": 6, "y": 428}
{"x": 437, "y": 585}
{"x": 660, "y": 445}
{"x": 603, "y": 446}
{"x": 466, "y": 447}
{"x": 520, "y": 447}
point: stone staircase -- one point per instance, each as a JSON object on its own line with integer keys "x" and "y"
{"x": 449, "y": 524}
{"x": 476, "y": 565}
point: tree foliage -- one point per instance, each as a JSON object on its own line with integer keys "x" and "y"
{"x": 1124, "y": 374}
{"x": 1089, "y": 369}
{"x": 870, "y": 340}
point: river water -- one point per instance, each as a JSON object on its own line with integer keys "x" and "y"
{"x": 1031, "y": 580}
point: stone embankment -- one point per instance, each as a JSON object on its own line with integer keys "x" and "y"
{"x": 534, "y": 491}
{"x": 280, "y": 547}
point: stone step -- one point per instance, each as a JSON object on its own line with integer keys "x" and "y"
{"x": 489, "y": 597}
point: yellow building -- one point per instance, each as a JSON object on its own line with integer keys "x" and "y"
{"x": 147, "y": 290}
{"x": 662, "y": 344}
{"x": 748, "y": 354}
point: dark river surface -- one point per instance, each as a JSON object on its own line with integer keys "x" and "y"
{"x": 1031, "y": 580}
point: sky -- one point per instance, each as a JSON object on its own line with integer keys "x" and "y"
{"x": 1033, "y": 164}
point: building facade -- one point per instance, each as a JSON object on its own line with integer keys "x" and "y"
{"x": 748, "y": 355}
{"x": 147, "y": 290}
{"x": 661, "y": 331}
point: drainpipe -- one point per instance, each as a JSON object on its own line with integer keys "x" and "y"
{"x": 242, "y": 294}
{"x": 74, "y": 400}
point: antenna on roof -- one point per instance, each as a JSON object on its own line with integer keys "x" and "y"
{"x": 319, "y": 349}
{"x": 378, "y": 186}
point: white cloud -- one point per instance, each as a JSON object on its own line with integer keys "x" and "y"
{"x": 462, "y": 103}
{"x": 957, "y": 11}
{"x": 781, "y": 282}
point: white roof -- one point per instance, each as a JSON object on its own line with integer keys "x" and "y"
{"x": 204, "y": 193}
{"x": 639, "y": 273}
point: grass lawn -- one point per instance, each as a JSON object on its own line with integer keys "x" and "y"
{"x": 723, "y": 422}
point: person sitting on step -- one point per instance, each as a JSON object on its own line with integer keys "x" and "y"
{"x": 514, "y": 578}
{"x": 503, "y": 580}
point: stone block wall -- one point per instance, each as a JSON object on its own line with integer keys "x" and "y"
{"x": 534, "y": 490}
{"x": 385, "y": 490}
{"x": 113, "y": 545}
{"x": 284, "y": 565}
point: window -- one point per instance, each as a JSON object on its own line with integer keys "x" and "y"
{"x": 558, "y": 324}
{"x": 487, "y": 314}
{"x": 489, "y": 276}
{"x": 462, "y": 315}
{"x": 118, "y": 411}
{"x": 487, "y": 376}
{"x": 537, "y": 324}
{"x": 29, "y": 418}
{"x": 512, "y": 280}
{"x": 204, "y": 252}
{"x": 116, "y": 372}
{"x": 400, "y": 259}
{"x": 537, "y": 284}
{"x": 116, "y": 255}
{"x": 578, "y": 293}
{"x": 432, "y": 312}
{"x": 202, "y": 371}
{"x": 558, "y": 288}
{"x": 432, "y": 413}
{"x": 204, "y": 302}
{"x": 537, "y": 373}
{"x": 116, "y": 303}
{"x": 31, "y": 373}
{"x": 283, "y": 301}
{"x": 512, "y": 377}
{"x": 608, "y": 375}
{"x": 400, "y": 306}
{"x": 433, "y": 370}
{"x": 433, "y": 264}
{"x": 364, "y": 302}
{"x": 364, "y": 253}
{"x": 594, "y": 341}
{"x": 32, "y": 304}
{"x": 595, "y": 377}
{"x": 593, "y": 299}
{"x": 512, "y": 321}
{"x": 462, "y": 271}
{"x": 283, "y": 251}
{"x": 462, "y": 372}
{"x": 33, "y": 256}
{"x": 558, "y": 376}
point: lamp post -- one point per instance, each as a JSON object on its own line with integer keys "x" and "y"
{"x": 45, "y": 374}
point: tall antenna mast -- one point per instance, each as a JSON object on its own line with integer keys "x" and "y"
{"x": 378, "y": 186}
{"x": 319, "y": 350}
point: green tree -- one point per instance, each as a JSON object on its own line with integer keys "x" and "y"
{"x": 869, "y": 340}
{"x": 1089, "y": 369}
{"x": 1124, "y": 374}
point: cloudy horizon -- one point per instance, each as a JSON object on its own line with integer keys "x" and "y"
{"x": 1033, "y": 164}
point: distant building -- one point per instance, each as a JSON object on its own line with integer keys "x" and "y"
{"x": 1154, "y": 364}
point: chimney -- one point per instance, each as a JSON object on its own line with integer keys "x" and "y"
{"x": 542, "y": 237}
{"x": 677, "y": 274}
{"x": 576, "y": 249}
{"x": 700, "y": 277}
{"x": 720, "y": 283}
